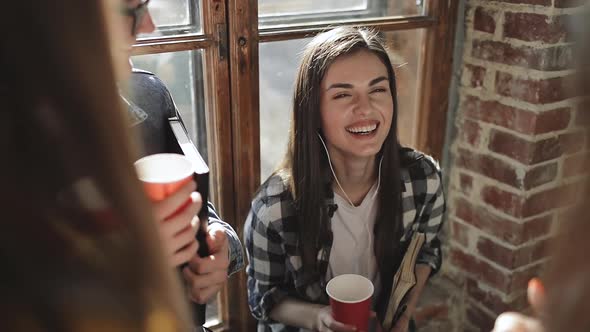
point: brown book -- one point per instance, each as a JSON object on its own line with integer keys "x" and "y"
{"x": 403, "y": 281}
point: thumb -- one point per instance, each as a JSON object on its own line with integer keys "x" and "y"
{"x": 216, "y": 238}
{"x": 536, "y": 296}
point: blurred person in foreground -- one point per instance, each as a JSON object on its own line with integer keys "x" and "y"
{"x": 78, "y": 247}
{"x": 149, "y": 105}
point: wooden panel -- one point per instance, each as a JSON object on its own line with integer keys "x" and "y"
{"x": 219, "y": 133}
{"x": 172, "y": 44}
{"x": 382, "y": 24}
{"x": 436, "y": 79}
{"x": 245, "y": 124}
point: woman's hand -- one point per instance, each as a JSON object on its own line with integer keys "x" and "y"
{"x": 325, "y": 322}
{"x": 178, "y": 229}
{"x": 515, "y": 322}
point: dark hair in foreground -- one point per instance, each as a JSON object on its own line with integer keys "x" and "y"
{"x": 78, "y": 245}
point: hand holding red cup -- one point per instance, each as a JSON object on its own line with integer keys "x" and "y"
{"x": 167, "y": 181}
{"x": 350, "y": 299}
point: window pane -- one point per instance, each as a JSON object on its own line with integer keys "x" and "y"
{"x": 278, "y": 66}
{"x": 286, "y": 12}
{"x": 175, "y": 17}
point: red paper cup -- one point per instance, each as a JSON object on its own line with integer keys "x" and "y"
{"x": 350, "y": 299}
{"x": 163, "y": 174}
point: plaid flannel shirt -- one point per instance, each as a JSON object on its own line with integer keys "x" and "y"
{"x": 274, "y": 270}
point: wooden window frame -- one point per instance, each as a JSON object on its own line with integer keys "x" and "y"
{"x": 230, "y": 39}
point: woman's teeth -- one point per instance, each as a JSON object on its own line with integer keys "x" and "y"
{"x": 362, "y": 130}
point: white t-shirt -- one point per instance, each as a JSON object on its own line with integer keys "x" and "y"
{"x": 352, "y": 247}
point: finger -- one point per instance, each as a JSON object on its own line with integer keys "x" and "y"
{"x": 209, "y": 264}
{"x": 203, "y": 295}
{"x": 178, "y": 223}
{"x": 196, "y": 198}
{"x": 216, "y": 237}
{"x": 182, "y": 256}
{"x": 199, "y": 294}
{"x": 173, "y": 202}
{"x": 339, "y": 327}
{"x": 183, "y": 239}
{"x": 206, "y": 280}
{"x": 324, "y": 326}
{"x": 536, "y": 295}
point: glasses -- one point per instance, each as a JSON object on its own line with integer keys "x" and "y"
{"x": 136, "y": 13}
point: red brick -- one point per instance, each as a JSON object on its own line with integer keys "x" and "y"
{"x": 488, "y": 166}
{"x": 583, "y": 114}
{"x": 572, "y": 142}
{"x": 536, "y": 228}
{"x": 470, "y": 132}
{"x": 499, "y": 114}
{"x": 553, "y": 120}
{"x": 569, "y": 3}
{"x": 540, "y": 175}
{"x": 551, "y": 199}
{"x": 504, "y": 201}
{"x": 545, "y": 59}
{"x": 526, "y": 152}
{"x": 484, "y": 20}
{"x": 536, "y": 27}
{"x": 506, "y": 230}
{"x": 492, "y": 301}
{"x": 522, "y": 121}
{"x": 466, "y": 183}
{"x": 460, "y": 233}
{"x": 576, "y": 165}
{"x": 488, "y": 274}
{"x": 529, "y": 2}
{"x": 534, "y": 91}
{"x": 511, "y": 258}
{"x": 480, "y": 319}
{"x": 478, "y": 75}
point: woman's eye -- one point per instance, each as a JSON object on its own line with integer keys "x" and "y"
{"x": 341, "y": 95}
{"x": 379, "y": 90}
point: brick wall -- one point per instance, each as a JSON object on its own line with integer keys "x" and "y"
{"x": 518, "y": 154}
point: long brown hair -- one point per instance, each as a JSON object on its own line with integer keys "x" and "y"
{"x": 305, "y": 166}
{"x": 68, "y": 265}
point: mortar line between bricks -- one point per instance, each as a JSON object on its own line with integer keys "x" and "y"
{"x": 534, "y": 138}
{"x": 524, "y": 194}
{"x": 537, "y": 44}
{"x": 517, "y": 103}
{"x": 524, "y": 8}
{"x": 506, "y": 159}
{"x": 496, "y": 239}
{"x": 519, "y": 72}
{"x": 508, "y": 271}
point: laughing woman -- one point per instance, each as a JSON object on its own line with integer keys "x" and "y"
{"x": 347, "y": 197}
